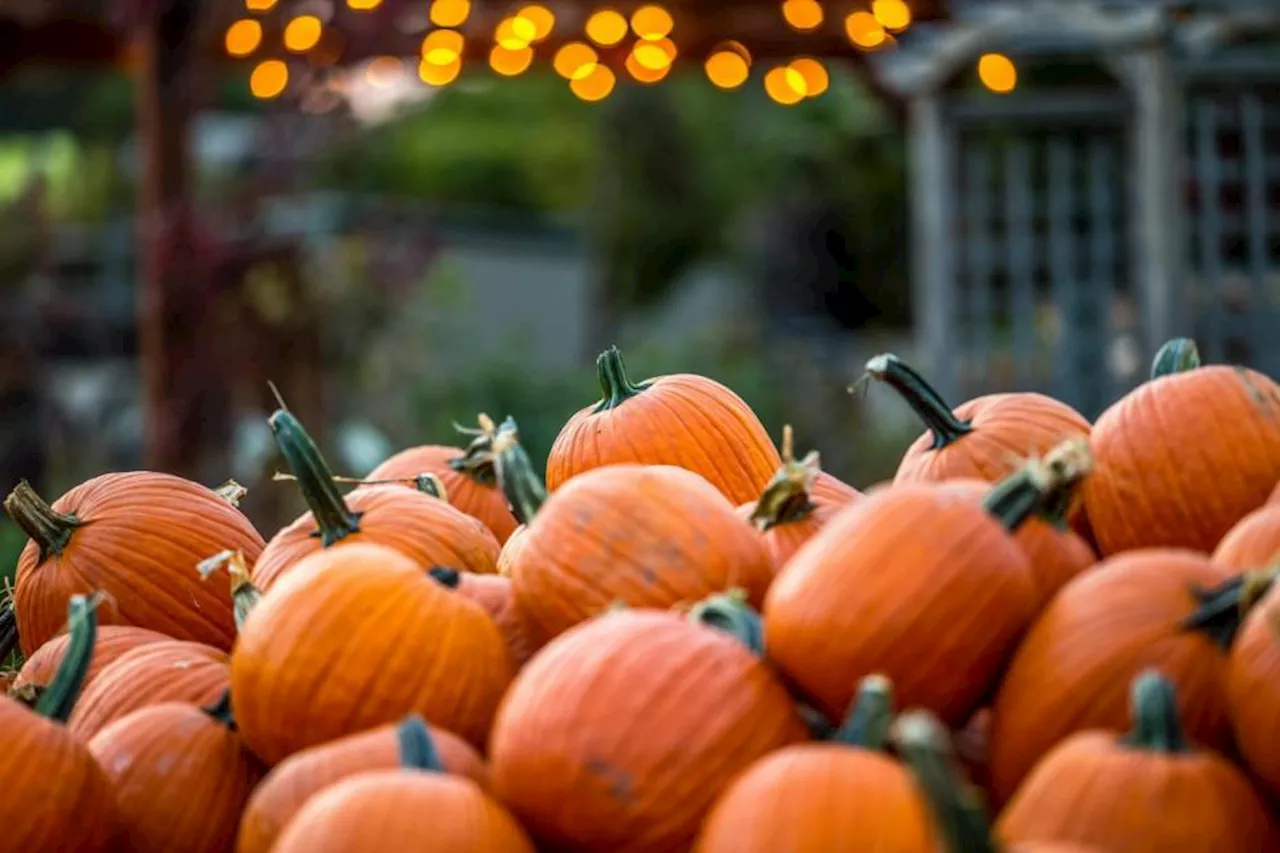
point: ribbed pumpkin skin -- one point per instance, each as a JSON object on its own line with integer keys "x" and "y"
{"x": 360, "y": 635}
{"x": 144, "y": 534}
{"x": 511, "y": 550}
{"x": 1253, "y": 691}
{"x": 820, "y": 797}
{"x": 403, "y": 810}
{"x": 421, "y": 527}
{"x": 293, "y": 781}
{"x": 1072, "y": 671}
{"x": 684, "y": 420}
{"x": 852, "y": 601}
{"x": 1182, "y": 458}
{"x": 110, "y": 643}
{"x": 57, "y": 799}
{"x": 180, "y": 778}
{"x": 782, "y": 540}
{"x": 827, "y": 489}
{"x": 476, "y": 499}
{"x": 647, "y": 536}
{"x": 1097, "y": 792}
{"x": 1253, "y": 543}
{"x": 495, "y": 594}
{"x": 621, "y": 733}
{"x": 166, "y": 671}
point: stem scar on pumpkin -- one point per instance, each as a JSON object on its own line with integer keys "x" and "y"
{"x": 49, "y": 529}
{"x": 334, "y": 519}
{"x": 927, "y": 403}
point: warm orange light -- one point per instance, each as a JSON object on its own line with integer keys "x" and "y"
{"x": 541, "y": 17}
{"x": 440, "y": 75}
{"x": 259, "y": 5}
{"x": 576, "y": 61}
{"x": 814, "y": 75}
{"x": 442, "y": 47}
{"x": 243, "y": 37}
{"x": 784, "y": 85}
{"x": 651, "y": 22}
{"x": 606, "y": 27}
{"x": 515, "y": 33}
{"x": 450, "y": 13}
{"x": 363, "y": 5}
{"x": 802, "y": 14}
{"x": 654, "y": 55}
{"x": 727, "y": 68}
{"x": 509, "y": 63}
{"x": 864, "y": 30}
{"x": 644, "y": 75}
{"x": 893, "y": 15}
{"x": 998, "y": 73}
{"x": 269, "y": 79}
{"x": 383, "y": 71}
{"x": 595, "y": 85}
{"x": 303, "y": 33}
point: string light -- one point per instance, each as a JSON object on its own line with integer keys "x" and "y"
{"x": 440, "y": 75}
{"x": 645, "y": 75}
{"x": 363, "y": 5}
{"x": 575, "y": 61}
{"x": 509, "y": 63}
{"x": 728, "y": 68}
{"x": 515, "y": 33}
{"x": 803, "y": 15}
{"x": 784, "y": 85}
{"x": 450, "y": 13}
{"x": 816, "y": 79}
{"x": 442, "y": 47}
{"x": 243, "y": 37}
{"x": 998, "y": 73}
{"x": 269, "y": 79}
{"x": 259, "y": 5}
{"x": 606, "y": 27}
{"x": 893, "y": 15}
{"x": 540, "y": 17}
{"x": 652, "y": 22}
{"x": 303, "y": 33}
{"x": 654, "y": 55}
{"x": 595, "y": 85}
{"x": 864, "y": 30}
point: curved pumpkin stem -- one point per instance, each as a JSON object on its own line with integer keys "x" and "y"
{"x": 49, "y": 529}
{"x": 956, "y": 805}
{"x": 244, "y": 595}
{"x": 60, "y": 697}
{"x": 1176, "y": 356}
{"x": 430, "y": 484}
{"x": 417, "y": 748}
{"x": 1223, "y": 608}
{"x": 334, "y": 518}
{"x": 524, "y": 489}
{"x": 786, "y": 497}
{"x": 220, "y": 710}
{"x": 871, "y": 716}
{"x": 729, "y": 612}
{"x": 1154, "y": 708}
{"x": 937, "y": 416}
{"x": 1042, "y": 487}
{"x": 477, "y": 460}
{"x": 445, "y": 577}
{"x": 615, "y": 385}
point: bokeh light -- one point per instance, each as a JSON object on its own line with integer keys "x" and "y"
{"x": 654, "y": 55}
{"x": 509, "y": 63}
{"x": 243, "y": 37}
{"x": 450, "y": 13}
{"x": 269, "y": 79}
{"x": 803, "y": 15}
{"x": 784, "y": 85}
{"x": 363, "y": 5}
{"x": 651, "y": 22}
{"x": 540, "y": 17}
{"x": 384, "y": 71}
{"x": 606, "y": 27}
{"x": 440, "y": 75}
{"x": 641, "y": 74}
{"x": 998, "y": 73}
{"x": 727, "y": 68}
{"x": 303, "y": 33}
{"x": 864, "y": 30}
{"x": 442, "y": 47}
{"x": 576, "y": 61}
{"x": 816, "y": 78}
{"x": 893, "y": 15}
{"x": 515, "y": 33}
{"x": 595, "y": 85}
{"x": 260, "y": 5}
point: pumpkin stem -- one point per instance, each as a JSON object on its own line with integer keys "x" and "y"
{"x": 871, "y": 715}
{"x": 60, "y": 697}
{"x": 445, "y": 577}
{"x": 1153, "y": 704}
{"x": 1042, "y": 487}
{"x": 729, "y": 612}
{"x": 220, "y": 710}
{"x": 816, "y": 722}
{"x": 785, "y": 498}
{"x": 231, "y": 492}
{"x": 334, "y": 519}
{"x": 477, "y": 460}
{"x": 49, "y": 529}
{"x": 1223, "y": 608}
{"x": 417, "y": 748}
{"x": 614, "y": 383}
{"x": 1178, "y": 355}
{"x": 956, "y": 805}
{"x": 430, "y": 484}
{"x": 937, "y": 416}
{"x": 244, "y": 595}
{"x": 523, "y": 488}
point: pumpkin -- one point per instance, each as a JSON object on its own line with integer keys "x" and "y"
{"x": 789, "y": 510}
{"x": 112, "y": 641}
{"x": 494, "y": 594}
{"x": 1182, "y": 458}
{"x": 621, "y": 733}
{"x": 1158, "y": 607}
{"x": 842, "y": 795}
{"x": 57, "y": 798}
{"x": 854, "y": 598}
{"x": 135, "y": 538}
{"x": 1147, "y": 792}
{"x": 1253, "y": 685}
{"x": 424, "y": 528}
{"x": 296, "y": 779}
{"x": 180, "y": 774}
{"x": 1253, "y": 543}
{"x": 357, "y": 636}
{"x": 683, "y": 420}
{"x": 164, "y": 671}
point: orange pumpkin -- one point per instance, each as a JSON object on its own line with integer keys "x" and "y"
{"x": 1159, "y": 607}
{"x": 165, "y": 671}
{"x": 494, "y": 594}
{"x": 580, "y": 775}
{"x": 112, "y": 642}
{"x": 1253, "y": 684}
{"x": 300, "y": 776}
{"x": 684, "y": 420}
{"x": 424, "y": 528}
{"x": 1253, "y": 543}
{"x": 1182, "y": 458}
{"x": 135, "y": 538}
{"x": 358, "y": 636}
{"x": 853, "y": 599}
{"x": 1148, "y": 792}
{"x": 181, "y": 777}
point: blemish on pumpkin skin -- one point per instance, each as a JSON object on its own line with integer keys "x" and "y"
{"x": 1265, "y": 400}
{"x": 620, "y": 785}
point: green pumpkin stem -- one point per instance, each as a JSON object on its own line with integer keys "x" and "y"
{"x": 1176, "y": 356}
{"x": 220, "y": 710}
{"x": 1042, "y": 488}
{"x": 333, "y": 517}
{"x": 786, "y": 497}
{"x": 957, "y": 806}
{"x": 49, "y": 529}
{"x": 1153, "y": 703}
{"x": 60, "y": 697}
{"x": 417, "y": 747}
{"x": 445, "y": 577}
{"x": 928, "y": 405}
{"x": 429, "y": 484}
{"x": 1223, "y": 608}
{"x": 615, "y": 385}
{"x": 871, "y": 715}
{"x": 729, "y": 612}
{"x": 523, "y": 488}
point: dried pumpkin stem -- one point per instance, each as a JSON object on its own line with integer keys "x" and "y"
{"x": 1176, "y": 356}
{"x": 785, "y": 498}
{"x": 1153, "y": 705}
{"x": 523, "y": 488}
{"x": 60, "y": 697}
{"x": 1223, "y": 608}
{"x": 477, "y": 460}
{"x": 1041, "y": 488}
{"x": 615, "y": 385}
{"x": 49, "y": 529}
{"x": 430, "y": 484}
{"x": 956, "y": 806}
{"x": 417, "y": 748}
{"x": 871, "y": 716}
{"x": 729, "y": 612}
{"x": 334, "y": 519}
{"x": 937, "y": 416}
{"x": 220, "y": 710}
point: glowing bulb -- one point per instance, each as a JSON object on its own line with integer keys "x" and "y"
{"x": 727, "y": 69}
{"x": 864, "y": 30}
{"x": 652, "y": 22}
{"x": 440, "y": 75}
{"x": 595, "y": 85}
{"x": 802, "y": 15}
{"x": 540, "y": 17}
{"x": 575, "y": 61}
{"x": 442, "y": 47}
{"x": 606, "y": 27}
{"x": 269, "y": 79}
{"x": 998, "y": 73}
{"x": 509, "y": 63}
{"x": 450, "y": 13}
{"x": 814, "y": 75}
{"x": 243, "y": 37}
{"x": 302, "y": 33}
{"x": 784, "y": 85}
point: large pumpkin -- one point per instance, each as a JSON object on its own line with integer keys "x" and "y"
{"x": 136, "y": 539}
{"x": 1253, "y": 684}
{"x": 495, "y": 595}
{"x": 359, "y": 636}
{"x": 112, "y": 642}
{"x": 1253, "y": 543}
{"x": 684, "y": 420}
{"x": 620, "y": 734}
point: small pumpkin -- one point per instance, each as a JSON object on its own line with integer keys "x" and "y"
{"x": 1254, "y": 541}
{"x": 359, "y": 636}
{"x": 180, "y": 774}
{"x": 494, "y": 594}
{"x": 422, "y": 527}
{"x": 1147, "y": 792}
{"x": 112, "y": 641}
{"x": 621, "y": 733}
{"x": 300, "y": 776}
{"x": 132, "y": 537}
{"x": 1253, "y": 685}
{"x": 684, "y": 420}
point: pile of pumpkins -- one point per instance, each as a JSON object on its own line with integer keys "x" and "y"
{"x": 1042, "y": 635}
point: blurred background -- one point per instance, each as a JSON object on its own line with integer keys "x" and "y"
{"x": 407, "y": 212}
